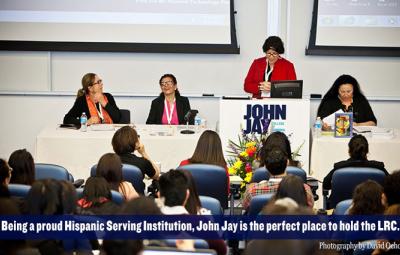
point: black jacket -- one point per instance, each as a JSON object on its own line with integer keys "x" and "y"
{"x": 157, "y": 110}
{"x": 80, "y": 105}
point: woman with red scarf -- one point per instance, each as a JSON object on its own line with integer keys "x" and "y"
{"x": 99, "y": 107}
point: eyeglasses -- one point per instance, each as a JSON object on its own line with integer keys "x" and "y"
{"x": 166, "y": 83}
{"x": 97, "y": 82}
{"x": 272, "y": 54}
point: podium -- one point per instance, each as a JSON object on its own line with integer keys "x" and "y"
{"x": 290, "y": 116}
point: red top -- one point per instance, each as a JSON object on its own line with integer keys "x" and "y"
{"x": 187, "y": 162}
{"x": 174, "y": 120}
{"x": 283, "y": 70}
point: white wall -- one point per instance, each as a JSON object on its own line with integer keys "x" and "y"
{"x": 23, "y": 116}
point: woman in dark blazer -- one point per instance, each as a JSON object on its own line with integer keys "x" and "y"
{"x": 170, "y": 107}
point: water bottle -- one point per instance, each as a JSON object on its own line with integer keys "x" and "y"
{"x": 197, "y": 122}
{"x": 83, "y": 122}
{"x": 318, "y": 127}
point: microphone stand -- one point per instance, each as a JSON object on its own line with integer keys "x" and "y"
{"x": 187, "y": 131}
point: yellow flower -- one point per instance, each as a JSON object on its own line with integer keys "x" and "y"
{"x": 242, "y": 185}
{"x": 244, "y": 154}
{"x": 250, "y": 144}
{"x": 238, "y": 164}
{"x": 232, "y": 171}
{"x": 248, "y": 177}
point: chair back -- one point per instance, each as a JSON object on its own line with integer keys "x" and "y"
{"x": 130, "y": 174}
{"x": 18, "y": 190}
{"x": 211, "y": 180}
{"x": 211, "y": 204}
{"x": 51, "y": 171}
{"x": 262, "y": 173}
{"x": 258, "y": 202}
{"x": 344, "y": 181}
{"x": 342, "y": 207}
{"x": 116, "y": 197}
{"x": 125, "y": 116}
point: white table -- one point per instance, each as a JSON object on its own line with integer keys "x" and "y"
{"x": 79, "y": 151}
{"x": 326, "y": 150}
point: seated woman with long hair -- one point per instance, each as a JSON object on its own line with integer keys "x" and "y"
{"x": 208, "y": 151}
{"x": 110, "y": 167}
{"x": 21, "y": 161}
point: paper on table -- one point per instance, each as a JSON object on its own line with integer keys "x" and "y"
{"x": 330, "y": 120}
{"x": 362, "y": 129}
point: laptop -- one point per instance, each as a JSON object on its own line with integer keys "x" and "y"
{"x": 287, "y": 89}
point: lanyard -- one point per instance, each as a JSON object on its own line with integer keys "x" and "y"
{"x": 267, "y": 74}
{"x": 169, "y": 114}
{"x": 100, "y": 112}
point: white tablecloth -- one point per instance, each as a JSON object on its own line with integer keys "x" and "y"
{"x": 326, "y": 150}
{"x": 79, "y": 151}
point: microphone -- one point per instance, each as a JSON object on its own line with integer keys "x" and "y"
{"x": 187, "y": 115}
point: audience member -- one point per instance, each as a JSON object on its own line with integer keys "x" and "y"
{"x": 99, "y": 107}
{"x": 193, "y": 204}
{"x": 272, "y": 67}
{"x": 282, "y": 141}
{"x": 169, "y": 107}
{"x": 21, "y": 161}
{"x": 275, "y": 160}
{"x": 125, "y": 141}
{"x": 358, "y": 151}
{"x": 5, "y": 175}
{"x": 367, "y": 199}
{"x": 97, "y": 198}
{"x": 208, "y": 151}
{"x": 292, "y": 186}
{"x": 389, "y": 247}
{"x": 110, "y": 167}
{"x": 345, "y": 94}
{"x": 391, "y": 189}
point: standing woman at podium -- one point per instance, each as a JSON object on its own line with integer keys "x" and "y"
{"x": 272, "y": 67}
{"x": 99, "y": 107}
{"x": 169, "y": 108}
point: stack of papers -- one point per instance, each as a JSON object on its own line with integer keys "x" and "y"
{"x": 102, "y": 127}
{"x": 387, "y": 133}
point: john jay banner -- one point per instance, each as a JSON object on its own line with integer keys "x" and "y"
{"x": 290, "y": 116}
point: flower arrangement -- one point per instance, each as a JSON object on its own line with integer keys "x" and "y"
{"x": 244, "y": 156}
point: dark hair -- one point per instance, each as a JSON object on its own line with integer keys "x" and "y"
{"x": 110, "y": 167}
{"x": 122, "y": 247}
{"x": 209, "y": 150}
{"x": 44, "y": 198}
{"x": 87, "y": 81}
{"x": 391, "y": 188}
{"x": 168, "y": 75}
{"x": 333, "y": 92}
{"x": 367, "y": 199}
{"x": 292, "y": 186}
{"x": 276, "y": 161}
{"x": 21, "y": 161}
{"x": 173, "y": 187}
{"x": 95, "y": 189}
{"x": 4, "y": 171}
{"x": 193, "y": 204}
{"x": 358, "y": 147}
{"x": 274, "y": 43}
{"x": 140, "y": 206}
{"x": 124, "y": 140}
{"x": 277, "y": 139}
{"x": 68, "y": 196}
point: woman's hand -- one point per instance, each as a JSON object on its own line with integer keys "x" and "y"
{"x": 93, "y": 120}
{"x": 140, "y": 148}
{"x": 264, "y": 86}
{"x": 326, "y": 127}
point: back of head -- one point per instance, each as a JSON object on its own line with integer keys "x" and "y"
{"x": 173, "y": 188}
{"x": 193, "y": 203}
{"x": 367, "y": 199}
{"x": 292, "y": 186}
{"x": 209, "y": 150}
{"x": 5, "y": 172}
{"x": 358, "y": 147}
{"x": 110, "y": 168}
{"x": 68, "y": 196}
{"x": 122, "y": 247}
{"x": 391, "y": 188}
{"x": 44, "y": 198}
{"x": 87, "y": 81}
{"x": 140, "y": 206}
{"x": 275, "y": 161}
{"x": 276, "y": 139}
{"x": 95, "y": 189}
{"x": 274, "y": 43}
{"x": 124, "y": 140}
{"x": 21, "y": 161}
